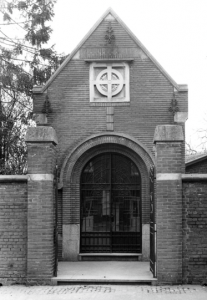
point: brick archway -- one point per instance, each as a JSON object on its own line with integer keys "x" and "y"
{"x": 70, "y": 177}
{"x": 100, "y": 139}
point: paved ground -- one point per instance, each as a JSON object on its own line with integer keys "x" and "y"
{"x": 100, "y": 292}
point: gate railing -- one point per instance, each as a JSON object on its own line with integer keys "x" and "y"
{"x": 153, "y": 229}
{"x": 56, "y": 222}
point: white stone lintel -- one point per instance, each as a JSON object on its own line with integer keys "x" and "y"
{"x": 169, "y": 176}
{"x": 40, "y": 177}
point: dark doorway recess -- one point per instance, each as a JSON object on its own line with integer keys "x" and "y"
{"x": 110, "y": 205}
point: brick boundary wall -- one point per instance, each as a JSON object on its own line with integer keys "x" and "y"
{"x": 195, "y": 231}
{"x": 13, "y": 228}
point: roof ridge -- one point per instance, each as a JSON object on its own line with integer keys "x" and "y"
{"x": 193, "y": 158}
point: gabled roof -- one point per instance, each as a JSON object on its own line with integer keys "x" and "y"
{"x": 195, "y": 158}
{"x": 41, "y": 89}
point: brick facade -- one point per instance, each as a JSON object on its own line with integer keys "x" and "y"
{"x": 86, "y": 129}
{"x": 76, "y": 119}
{"x": 150, "y": 94}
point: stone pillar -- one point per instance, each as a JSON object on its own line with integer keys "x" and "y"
{"x": 169, "y": 159}
{"x": 41, "y": 143}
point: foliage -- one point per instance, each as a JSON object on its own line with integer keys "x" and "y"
{"x": 202, "y": 134}
{"x": 25, "y": 61}
{"x": 189, "y": 149}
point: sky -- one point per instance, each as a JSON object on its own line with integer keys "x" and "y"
{"x": 173, "y": 31}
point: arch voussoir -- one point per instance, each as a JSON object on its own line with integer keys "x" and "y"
{"x": 100, "y": 139}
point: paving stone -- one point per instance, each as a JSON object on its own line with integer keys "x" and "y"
{"x": 61, "y": 290}
{"x": 80, "y": 289}
{"x": 168, "y": 290}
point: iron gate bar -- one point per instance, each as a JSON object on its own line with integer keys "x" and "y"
{"x": 56, "y": 221}
{"x": 153, "y": 231}
{"x": 106, "y": 203}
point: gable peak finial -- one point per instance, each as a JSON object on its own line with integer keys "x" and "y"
{"x": 109, "y": 17}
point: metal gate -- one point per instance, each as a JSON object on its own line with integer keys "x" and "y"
{"x": 110, "y": 205}
{"x": 56, "y": 222}
{"x": 153, "y": 232}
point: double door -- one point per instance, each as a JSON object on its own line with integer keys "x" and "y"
{"x": 110, "y": 205}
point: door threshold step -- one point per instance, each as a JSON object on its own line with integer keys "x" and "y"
{"x": 110, "y": 254}
{"x": 110, "y": 272}
{"x": 64, "y": 281}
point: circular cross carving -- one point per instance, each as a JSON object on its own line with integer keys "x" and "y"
{"x": 109, "y": 82}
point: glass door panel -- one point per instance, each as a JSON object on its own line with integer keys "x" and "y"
{"x": 110, "y": 205}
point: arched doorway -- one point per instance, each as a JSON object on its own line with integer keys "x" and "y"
{"x": 71, "y": 173}
{"x": 110, "y": 208}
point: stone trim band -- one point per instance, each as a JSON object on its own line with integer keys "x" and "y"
{"x": 194, "y": 177}
{"x": 40, "y": 177}
{"x": 13, "y": 178}
{"x": 169, "y": 176}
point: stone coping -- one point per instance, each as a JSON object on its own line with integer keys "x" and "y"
{"x": 25, "y": 178}
{"x": 183, "y": 177}
{"x": 194, "y": 177}
{"x": 22, "y": 178}
{"x": 13, "y": 178}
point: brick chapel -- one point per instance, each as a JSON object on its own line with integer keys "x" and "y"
{"x": 106, "y": 162}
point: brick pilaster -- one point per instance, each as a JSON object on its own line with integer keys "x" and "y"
{"x": 168, "y": 140}
{"x": 41, "y": 143}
